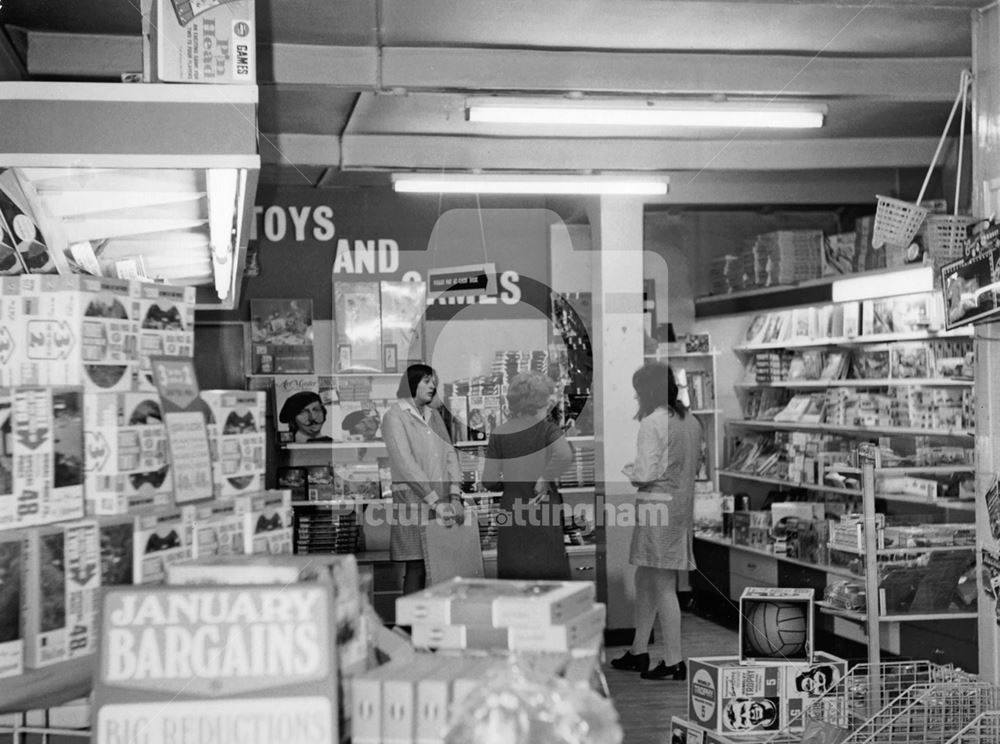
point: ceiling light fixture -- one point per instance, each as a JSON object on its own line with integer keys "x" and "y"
{"x": 505, "y": 183}
{"x": 645, "y": 113}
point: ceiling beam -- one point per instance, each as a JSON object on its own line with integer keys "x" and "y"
{"x": 664, "y": 73}
{"x": 367, "y": 151}
{"x": 310, "y": 64}
{"x": 289, "y": 150}
{"x": 475, "y": 69}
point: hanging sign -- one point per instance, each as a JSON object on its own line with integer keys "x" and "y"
{"x": 463, "y": 281}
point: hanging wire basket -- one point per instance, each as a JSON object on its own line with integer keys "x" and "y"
{"x": 896, "y": 221}
{"x": 946, "y": 236}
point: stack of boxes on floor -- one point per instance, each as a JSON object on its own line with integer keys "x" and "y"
{"x": 773, "y": 689}
{"x": 86, "y": 480}
{"x": 463, "y": 631}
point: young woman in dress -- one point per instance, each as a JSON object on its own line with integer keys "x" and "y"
{"x": 666, "y": 462}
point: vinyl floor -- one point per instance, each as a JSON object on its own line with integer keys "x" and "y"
{"x": 645, "y": 706}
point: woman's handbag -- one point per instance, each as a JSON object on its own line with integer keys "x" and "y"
{"x": 452, "y": 550}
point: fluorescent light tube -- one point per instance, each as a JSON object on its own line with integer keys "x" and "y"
{"x": 883, "y": 284}
{"x": 646, "y": 113}
{"x": 222, "y": 185}
{"x": 528, "y": 184}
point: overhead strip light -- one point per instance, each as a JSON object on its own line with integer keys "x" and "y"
{"x": 883, "y": 284}
{"x": 645, "y": 113}
{"x": 503, "y": 183}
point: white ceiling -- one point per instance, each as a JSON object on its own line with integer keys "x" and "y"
{"x": 352, "y": 89}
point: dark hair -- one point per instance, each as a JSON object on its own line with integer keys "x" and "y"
{"x": 412, "y": 377}
{"x": 354, "y": 418}
{"x": 296, "y": 403}
{"x": 655, "y": 386}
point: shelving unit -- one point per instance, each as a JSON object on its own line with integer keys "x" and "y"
{"x": 928, "y": 444}
{"x": 699, "y": 379}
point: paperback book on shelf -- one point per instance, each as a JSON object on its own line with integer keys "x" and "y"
{"x": 357, "y": 343}
{"x": 910, "y": 360}
{"x": 403, "y": 306}
{"x": 215, "y": 657}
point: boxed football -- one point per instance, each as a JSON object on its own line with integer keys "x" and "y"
{"x": 776, "y": 624}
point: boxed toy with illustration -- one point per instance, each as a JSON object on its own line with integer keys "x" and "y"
{"x": 41, "y": 457}
{"x": 267, "y": 522}
{"x": 496, "y": 602}
{"x": 160, "y": 538}
{"x": 737, "y": 699}
{"x": 126, "y": 463}
{"x": 201, "y": 41}
{"x": 236, "y": 435}
{"x": 166, "y": 326}
{"x": 78, "y": 330}
{"x": 61, "y": 577}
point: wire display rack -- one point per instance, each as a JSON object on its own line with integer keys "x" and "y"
{"x": 929, "y": 713}
{"x": 886, "y": 702}
{"x": 983, "y": 729}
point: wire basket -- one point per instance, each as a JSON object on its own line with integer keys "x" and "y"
{"x": 946, "y": 236}
{"x": 983, "y": 729}
{"x": 896, "y": 221}
{"x": 845, "y": 711}
{"x": 930, "y": 713}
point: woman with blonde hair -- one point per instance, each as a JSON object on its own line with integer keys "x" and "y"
{"x": 524, "y": 456}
